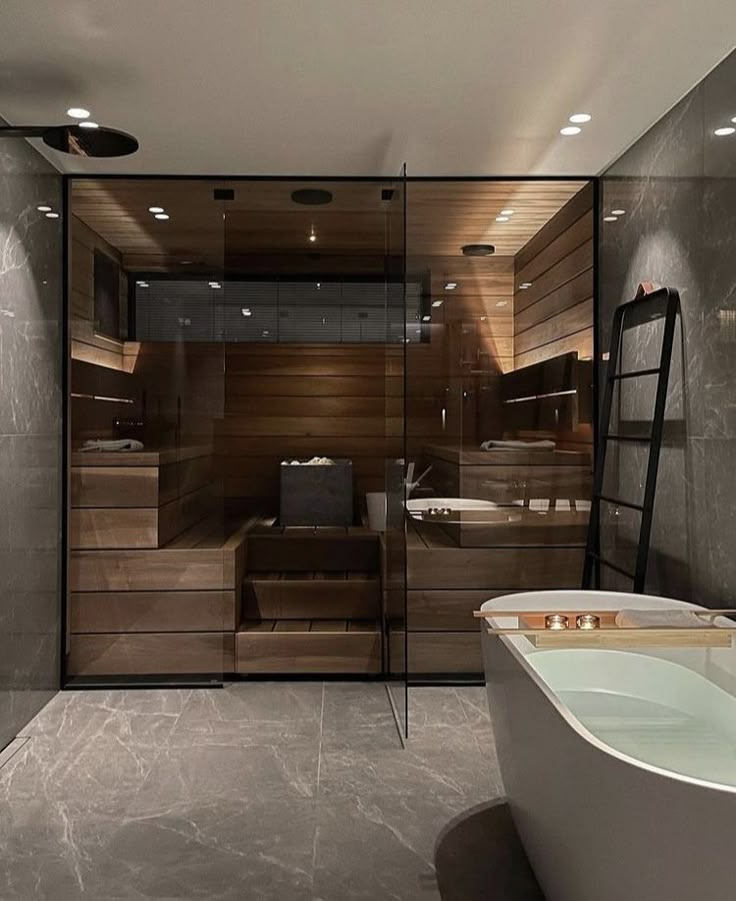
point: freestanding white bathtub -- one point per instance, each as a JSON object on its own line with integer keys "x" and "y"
{"x": 619, "y": 766}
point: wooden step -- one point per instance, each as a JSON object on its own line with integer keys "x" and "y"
{"x": 308, "y": 646}
{"x": 348, "y": 595}
{"x": 305, "y": 549}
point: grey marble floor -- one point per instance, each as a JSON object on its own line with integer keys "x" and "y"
{"x": 257, "y": 790}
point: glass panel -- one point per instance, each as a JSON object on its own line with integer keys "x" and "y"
{"x": 159, "y": 388}
{"x": 395, "y": 535}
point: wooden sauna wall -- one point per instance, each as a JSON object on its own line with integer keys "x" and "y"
{"x": 555, "y": 315}
{"x": 294, "y": 401}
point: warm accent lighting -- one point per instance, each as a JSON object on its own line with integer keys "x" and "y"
{"x": 580, "y": 118}
{"x": 161, "y": 216}
{"x": 78, "y": 112}
{"x": 569, "y": 130}
{"x": 507, "y": 212}
{"x": 724, "y": 132}
{"x": 502, "y": 218}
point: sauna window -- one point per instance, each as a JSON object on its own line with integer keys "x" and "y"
{"x": 106, "y": 296}
{"x": 277, "y": 311}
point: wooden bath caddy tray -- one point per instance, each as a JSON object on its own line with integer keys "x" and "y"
{"x": 608, "y": 634}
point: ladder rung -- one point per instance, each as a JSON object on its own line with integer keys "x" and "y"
{"x": 635, "y": 374}
{"x": 645, "y": 439}
{"x": 618, "y": 502}
{"x": 612, "y": 566}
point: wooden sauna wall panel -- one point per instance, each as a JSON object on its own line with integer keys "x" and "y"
{"x": 164, "y": 653}
{"x": 295, "y": 647}
{"x": 555, "y": 315}
{"x": 152, "y": 611}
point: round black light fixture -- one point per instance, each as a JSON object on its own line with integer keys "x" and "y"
{"x": 312, "y": 196}
{"x": 478, "y": 250}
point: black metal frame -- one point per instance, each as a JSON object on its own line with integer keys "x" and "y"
{"x": 632, "y": 309}
{"x": 69, "y": 178}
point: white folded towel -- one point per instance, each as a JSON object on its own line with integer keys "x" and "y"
{"x": 124, "y": 444}
{"x": 518, "y": 445}
{"x": 657, "y": 619}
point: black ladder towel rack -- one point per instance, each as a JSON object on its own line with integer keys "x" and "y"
{"x": 664, "y": 302}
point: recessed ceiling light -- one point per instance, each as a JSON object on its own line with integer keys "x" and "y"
{"x": 450, "y": 286}
{"x": 723, "y": 132}
{"x": 483, "y": 318}
{"x": 580, "y": 118}
{"x": 88, "y": 124}
{"x": 44, "y": 208}
{"x": 161, "y": 216}
{"x": 610, "y": 218}
{"x": 142, "y": 284}
{"x": 618, "y": 212}
{"x": 155, "y": 209}
{"x": 313, "y": 237}
{"x": 214, "y": 285}
{"x": 437, "y": 303}
{"x": 426, "y": 318}
{"x": 52, "y": 215}
{"x": 78, "y": 112}
{"x": 502, "y": 218}
{"x": 524, "y": 285}
{"x": 502, "y": 303}
{"x": 245, "y": 311}
{"x": 507, "y": 212}
{"x": 570, "y": 130}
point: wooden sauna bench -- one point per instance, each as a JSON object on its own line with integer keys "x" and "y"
{"x": 446, "y": 582}
{"x": 167, "y": 610}
{"x": 311, "y": 602}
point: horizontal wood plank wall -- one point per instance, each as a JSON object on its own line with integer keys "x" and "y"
{"x": 294, "y": 401}
{"x": 87, "y": 345}
{"x": 555, "y": 315}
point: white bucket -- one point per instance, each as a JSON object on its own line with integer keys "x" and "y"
{"x": 376, "y": 502}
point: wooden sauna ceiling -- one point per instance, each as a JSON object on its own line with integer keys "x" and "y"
{"x": 263, "y": 220}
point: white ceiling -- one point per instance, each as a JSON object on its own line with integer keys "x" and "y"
{"x": 351, "y": 87}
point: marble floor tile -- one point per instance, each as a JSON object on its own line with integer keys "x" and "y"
{"x": 474, "y": 702}
{"x": 358, "y": 715}
{"x": 429, "y": 706}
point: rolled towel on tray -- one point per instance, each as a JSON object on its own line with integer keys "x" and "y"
{"x": 124, "y": 444}
{"x": 518, "y": 445}
{"x": 658, "y": 619}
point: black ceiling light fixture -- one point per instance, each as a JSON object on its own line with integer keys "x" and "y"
{"x": 478, "y": 250}
{"x": 312, "y": 196}
{"x": 76, "y": 140}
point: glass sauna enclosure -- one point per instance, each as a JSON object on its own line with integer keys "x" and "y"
{"x": 257, "y": 324}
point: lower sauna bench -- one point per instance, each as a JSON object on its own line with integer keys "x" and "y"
{"x": 291, "y": 646}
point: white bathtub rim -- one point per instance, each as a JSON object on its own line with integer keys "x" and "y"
{"x": 511, "y": 643}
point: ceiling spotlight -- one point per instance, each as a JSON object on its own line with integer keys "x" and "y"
{"x": 43, "y": 208}
{"x": 78, "y": 112}
{"x": 478, "y": 250}
{"x": 245, "y": 311}
{"x": 155, "y": 209}
{"x": 214, "y": 284}
{"x": 450, "y": 286}
{"x": 88, "y": 124}
{"x": 142, "y": 284}
{"x": 569, "y": 130}
{"x": 52, "y": 215}
{"x": 426, "y": 318}
{"x": 524, "y": 285}
{"x": 161, "y": 216}
{"x": 724, "y": 132}
{"x": 610, "y": 218}
{"x": 580, "y": 118}
{"x": 313, "y": 237}
{"x": 437, "y": 303}
{"x": 502, "y": 303}
{"x": 618, "y": 212}
{"x": 507, "y": 212}
{"x": 502, "y": 218}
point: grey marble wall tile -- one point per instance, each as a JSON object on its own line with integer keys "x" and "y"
{"x": 30, "y": 434}
{"x": 677, "y": 185}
